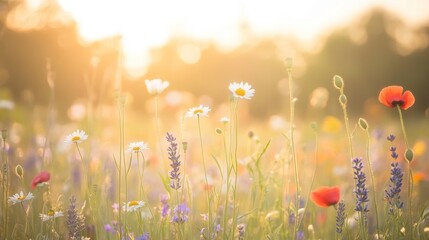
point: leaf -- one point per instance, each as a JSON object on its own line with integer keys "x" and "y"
{"x": 218, "y": 165}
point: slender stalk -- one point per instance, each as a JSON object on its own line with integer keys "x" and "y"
{"x": 5, "y": 182}
{"x": 84, "y": 168}
{"x": 121, "y": 103}
{"x": 158, "y": 129}
{"x": 141, "y": 182}
{"x": 410, "y": 178}
{"x": 228, "y": 175}
{"x": 234, "y": 142}
{"x": 372, "y": 181}
{"x": 206, "y": 179}
{"x": 292, "y": 142}
{"x": 316, "y": 151}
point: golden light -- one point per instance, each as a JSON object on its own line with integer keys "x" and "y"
{"x": 143, "y": 25}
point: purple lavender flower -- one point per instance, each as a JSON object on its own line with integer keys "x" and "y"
{"x": 180, "y": 213}
{"x": 391, "y": 138}
{"x": 361, "y": 191}
{"x": 241, "y": 230}
{"x": 300, "y": 235}
{"x": 173, "y": 156}
{"x": 393, "y": 153}
{"x": 341, "y": 217}
{"x": 75, "y": 220}
{"x": 165, "y": 208}
{"x": 145, "y": 236}
{"x": 108, "y": 228}
{"x": 392, "y": 194}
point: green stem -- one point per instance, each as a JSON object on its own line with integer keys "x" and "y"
{"x": 373, "y": 181}
{"x": 228, "y": 174}
{"x": 121, "y": 103}
{"x": 292, "y": 142}
{"x": 410, "y": 178}
{"x": 158, "y": 130}
{"x": 209, "y": 227}
{"x": 312, "y": 178}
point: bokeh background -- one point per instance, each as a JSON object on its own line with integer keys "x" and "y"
{"x": 97, "y": 47}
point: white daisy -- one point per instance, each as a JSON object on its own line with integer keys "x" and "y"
{"x": 132, "y": 206}
{"x": 19, "y": 198}
{"x": 77, "y": 136}
{"x": 156, "y": 86}
{"x": 241, "y": 90}
{"x": 51, "y": 215}
{"x": 224, "y": 120}
{"x": 198, "y": 111}
{"x": 136, "y": 147}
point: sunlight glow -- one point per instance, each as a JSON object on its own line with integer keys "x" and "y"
{"x": 143, "y": 25}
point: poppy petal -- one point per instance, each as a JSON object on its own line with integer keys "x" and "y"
{"x": 326, "y": 196}
{"x": 40, "y": 178}
{"x": 408, "y": 99}
{"x": 390, "y": 94}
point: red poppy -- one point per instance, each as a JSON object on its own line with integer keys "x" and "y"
{"x": 40, "y": 178}
{"x": 326, "y": 196}
{"x": 392, "y": 96}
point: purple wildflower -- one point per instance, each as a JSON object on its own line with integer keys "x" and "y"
{"x": 165, "y": 208}
{"x": 173, "y": 156}
{"x": 341, "y": 216}
{"x": 241, "y": 230}
{"x": 300, "y": 235}
{"x": 361, "y": 191}
{"x": 393, "y": 153}
{"x": 180, "y": 213}
{"x": 145, "y": 236}
{"x": 108, "y": 228}
{"x": 392, "y": 194}
{"x": 391, "y": 138}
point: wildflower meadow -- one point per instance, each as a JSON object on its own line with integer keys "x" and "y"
{"x": 197, "y": 170}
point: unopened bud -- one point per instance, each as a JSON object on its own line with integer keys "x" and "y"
{"x": 218, "y": 131}
{"x": 4, "y": 134}
{"x": 409, "y": 155}
{"x": 363, "y": 124}
{"x": 343, "y": 99}
{"x": 338, "y": 82}
{"x": 19, "y": 171}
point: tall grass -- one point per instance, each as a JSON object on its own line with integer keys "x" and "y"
{"x": 243, "y": 179}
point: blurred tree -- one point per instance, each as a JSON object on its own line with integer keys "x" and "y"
{"x": 365, "y": 54}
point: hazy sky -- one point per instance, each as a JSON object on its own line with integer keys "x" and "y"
{"x": 145, "y": 24}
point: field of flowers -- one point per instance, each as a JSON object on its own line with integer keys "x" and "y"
{"x": 213, "y": 172}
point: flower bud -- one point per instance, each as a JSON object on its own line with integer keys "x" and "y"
{"x": 4, "y": 134}
{"x": 338, "y": 82}
{"x": 363, "y": 124}
{"x": 19, "y": 171}
{"x": 409, "y": 155}
{"x": 343, "y": 99}
{"x": 218, "y": 131}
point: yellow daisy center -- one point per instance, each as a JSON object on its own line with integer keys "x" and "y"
{"x": 240, "y": 92}
{"x": 136, "y": 148}
{"x": 133, "y": 203}
{"x": 21, "y": 198}
{"x": 75, "y": 138}
{"x": 51, "y": 213}
{"x": 198, "y": 111}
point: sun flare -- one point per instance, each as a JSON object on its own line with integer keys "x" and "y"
{"x": 144, "y": 25}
